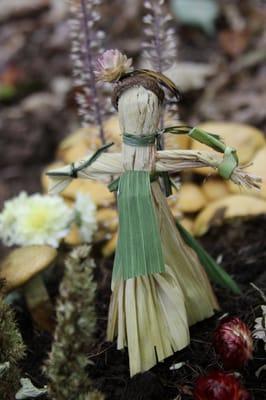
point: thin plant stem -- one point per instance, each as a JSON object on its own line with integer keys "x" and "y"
{"x": 89, "y": 67}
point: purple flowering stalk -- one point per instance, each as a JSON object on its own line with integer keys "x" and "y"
{"x": 160, "y": 45}
{"x": 86, "y": 41}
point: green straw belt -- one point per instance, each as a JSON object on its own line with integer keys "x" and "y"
{"x": 139, "y": 249}
{"x": 135, "y": 255}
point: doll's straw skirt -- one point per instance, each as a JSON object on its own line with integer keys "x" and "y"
{"x": 151, "y": 314}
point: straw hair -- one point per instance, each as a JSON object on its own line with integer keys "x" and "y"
{"x": 137, "y": 80}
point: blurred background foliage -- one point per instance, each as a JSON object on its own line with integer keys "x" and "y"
{"x": 220, "y": 69}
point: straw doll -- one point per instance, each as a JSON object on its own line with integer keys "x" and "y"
{"x": 159, "y": 284}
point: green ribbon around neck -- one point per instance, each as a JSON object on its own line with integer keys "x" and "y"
{"x": 139, "y": 141}
{"x": 148, "y": 140}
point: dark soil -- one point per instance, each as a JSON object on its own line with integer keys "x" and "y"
{"x": 243, "y": 255}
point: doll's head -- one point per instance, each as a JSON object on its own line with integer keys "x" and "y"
{"x": 141, "y": 90}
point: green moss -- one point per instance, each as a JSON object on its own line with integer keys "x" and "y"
{"x": 12, "y": 350}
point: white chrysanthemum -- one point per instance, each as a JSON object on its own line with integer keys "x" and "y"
{"x": 85, "y": 216}
{"x": 36, "y": 219}
{"x": 8, "y": 218}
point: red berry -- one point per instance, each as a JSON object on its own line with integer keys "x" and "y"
{"x": 233, "y": 343}
{"x": 219, "y": 386}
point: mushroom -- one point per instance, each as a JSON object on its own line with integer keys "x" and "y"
{"x": 98, "y": 192}
{"x": 113, "y": 132}
{"x": 214, "y": 189}
{"x": 174, "y": 142}
{"x": 22, "y": 268}
{"x": 246, "y": 139}
{"x": 108, "y": 219}
{"x": 76, "y": 152}
{"x": 229, "y": 207}
{"x": 109, "y": 248}
{"x": 78, "y": 144}
{"x": 44, "y": 177}
{"x": 182, "y": 142}
{"x": 191, "y": 198}
{"x": 188, "y": 224}
{"x": 85, "y": 140}
{"x": 73, "y": 237}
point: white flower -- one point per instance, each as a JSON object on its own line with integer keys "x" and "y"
{"x": 85, "y": 216}
{"x": 36, "y": 219}
{"x": 111, "y": 65}
{"x": 8, "y": 218}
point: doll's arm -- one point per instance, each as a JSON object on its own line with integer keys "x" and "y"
{"x": 101, "y": 168}
{"x": 230, "y": 159}
{"x": 180, "y": 160}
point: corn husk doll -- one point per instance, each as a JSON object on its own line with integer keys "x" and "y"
{"x": 159, "y": 284}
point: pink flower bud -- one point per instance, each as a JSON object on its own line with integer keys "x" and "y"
{"x": 220, "y": 386}
{"x": 111, "y": 65}
{"x": 233, "y": 343}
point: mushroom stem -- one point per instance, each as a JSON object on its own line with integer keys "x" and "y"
{"x": 39, "y": 303}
